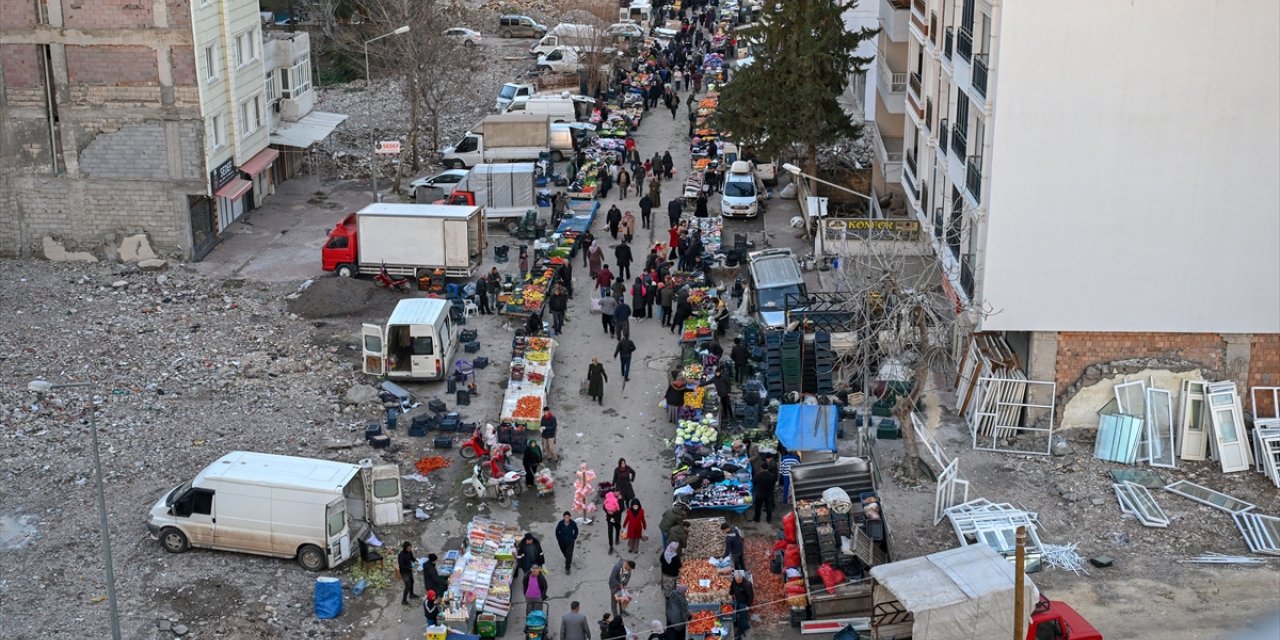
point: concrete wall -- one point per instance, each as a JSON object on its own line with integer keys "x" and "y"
{"x": 1133, "y": 167}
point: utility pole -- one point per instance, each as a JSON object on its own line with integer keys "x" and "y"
{"x": 1019, "y": 579}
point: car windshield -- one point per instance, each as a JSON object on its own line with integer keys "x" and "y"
{"x": 740, "y": 189}
{"x": 508, "y": 91}
{"x": 775, "y": 299}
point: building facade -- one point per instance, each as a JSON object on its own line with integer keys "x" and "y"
{"x": 120, "y": 118}
{"x": 1088, "y": 181}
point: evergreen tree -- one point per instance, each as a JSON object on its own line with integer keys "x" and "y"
{"x": 789, "y": 94}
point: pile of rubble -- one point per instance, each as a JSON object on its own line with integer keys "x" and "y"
{"x": 183, "y": 369}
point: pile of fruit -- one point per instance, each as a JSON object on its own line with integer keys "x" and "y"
{"x": 528, "y": 407}
{"x": 537, "y": 378}
{"x": 696, "y": 327}
{"x": 532, "y": 298}
{"x": 692, "y": 371}
{"x": 431, "y": 463}
{"x": 693, "y": 399}
{"x": 702, "y": 622}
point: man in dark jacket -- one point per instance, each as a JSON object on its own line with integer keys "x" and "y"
{"x": 721, "y": 384}
{"x": 763, "y": 484}
{"x": 566, "y": 537}
{"x": 670, "y": 518}
{"x": 482, "y": 296}
{"x": 622, "y": 320}
{"x": 613, "y": 218}
{"x": 740, "y": 355}
{"x": 733, "y": 545}
{"x": 558, "y": 303}
{"x": 623, "y": 353}
{"x": 743, "y": 596}
{"x": 431, "y": 578}
{"x": 674, "y": 209}
{"x": 683, "y": 310}
{"x": 622, "y": 253}
{"x": 406, "y": 563}
{"x": 677, "y": 611}
{"x": 646, "y": 211}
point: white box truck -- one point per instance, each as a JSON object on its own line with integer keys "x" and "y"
{"x": 418, "y": 341}
{"x": 504, "y": 190}
{"x": 408, "y": 239}
{"x": 502, "y": 138}
{"x": 282, "y": 506}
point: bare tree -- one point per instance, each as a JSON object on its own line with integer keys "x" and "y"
{"x": 594, "y": 45}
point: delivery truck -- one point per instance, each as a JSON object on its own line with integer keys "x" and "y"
{"x": 281, "y": 506}
{"x": 501, "y": 138}
{"x": 417, "y": 342}
{"x": 504, "y": 190}
{"x": 411, "y": 240}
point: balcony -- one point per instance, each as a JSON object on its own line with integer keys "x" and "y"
{"x": 973, "y": 178}
{"x": 894, "y": 17}
{"x": 892, "y": 82}
{"x": 979, "y": 76}
{"x": 919, "y": 20}
{"x": 909, "y": 174}
{"x": 913, "y": 82}
{"x": 964, "y": 43}
{"x": 928, "y": 114}
{"x": 947, "y": 42}
{"x": 959, "y": 141}
{"x": 889, "y": 154}
{"x": 942, "y": 139}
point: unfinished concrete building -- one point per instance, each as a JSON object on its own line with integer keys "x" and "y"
{"x": 120, "y": 117}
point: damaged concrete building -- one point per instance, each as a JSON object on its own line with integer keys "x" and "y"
{"x": 120, "y": 118}
{"x": 1105, "y": 212}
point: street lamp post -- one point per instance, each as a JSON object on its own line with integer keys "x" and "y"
{"x": 373, "y": 135}
{"x": 863, "y": 341}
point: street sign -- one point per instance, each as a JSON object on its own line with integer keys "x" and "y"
{"x": 387, "y": 148}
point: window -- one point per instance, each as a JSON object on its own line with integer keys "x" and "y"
{"x": 273, "y": 91}
{"x": 246, "y": 47}
{"x": 337, "y": 520}
{"x": 257, "y": 112}
{"x": 210, "y": 63}
{"x": 301, "y": 75}
{"x": 340, "y": 242}
{"x": 286, "y": 90}
{"x": 244, "y": 117}
{"x": 423, "y": 346}
{"x": 241, "y": 57}
{"x": 252, "y": 39}
{"x": 386, "y": 488}
{"x": 215, "y": 131}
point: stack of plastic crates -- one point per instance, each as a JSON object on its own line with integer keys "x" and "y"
{"x": 792, "y": 364}
{"x": 773, "y": 363}
{"x": 824, "y": 362}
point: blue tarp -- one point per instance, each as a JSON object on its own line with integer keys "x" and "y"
{"x": 808, "y": 427}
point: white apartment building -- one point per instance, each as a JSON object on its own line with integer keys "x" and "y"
{"x": 1097, "y": 177}
{"x": 291, "y": 97}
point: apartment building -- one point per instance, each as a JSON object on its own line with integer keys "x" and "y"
{"x": 1097, "y": 178}
{"x": 295, "y": 125}
{"x": 125, "y": 118}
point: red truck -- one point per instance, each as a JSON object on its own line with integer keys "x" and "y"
{"x": 408, "y": 240}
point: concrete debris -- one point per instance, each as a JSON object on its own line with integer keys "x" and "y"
{"x": 360, "y": 394}
{"x": 151, "y": 264}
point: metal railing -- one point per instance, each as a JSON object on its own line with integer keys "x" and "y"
{"x": 928, "y": 114}
{"x": 887, "y": 155}
{"x": 964, "y": 43}
{"x": 959, "y": 140}
{"x": 914, "y": 84}
{"x": 909, "y": 176}
{"x": 918, "y": 6}
{"x": 933, "y": 28}
{"x": 942, "y": 136}
{"x": 894, "y": 81}
{"x": 973, "y": 177}
{"x": 947, "y": 41}
{"x": 979, "y": 76}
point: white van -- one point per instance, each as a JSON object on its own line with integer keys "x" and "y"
{"x": 280, "y": 506}
{"x": 564, "y": 107}
{"x": 741, "y": 192}
{"x": 417, "y": 343}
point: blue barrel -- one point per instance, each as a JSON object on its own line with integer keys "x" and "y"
{"x": 328, "y": 598}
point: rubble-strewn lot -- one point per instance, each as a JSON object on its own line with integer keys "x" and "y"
{"x": 185, "y": 369}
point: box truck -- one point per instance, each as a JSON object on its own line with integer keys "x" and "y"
{"x": 417, "y": 342}
{"x": 504, "y": 190}
{"x": 281, "y": 506}
{"x": 408, "y": 239}
{"x": 502, "y": 138}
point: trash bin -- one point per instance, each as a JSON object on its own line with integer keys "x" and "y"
{"x": 328, "y": 599}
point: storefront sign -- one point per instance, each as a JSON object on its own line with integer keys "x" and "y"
{"x": 387, "y": 148}
{"x": 872, "y": 228}
{"x": 219, "y": 177}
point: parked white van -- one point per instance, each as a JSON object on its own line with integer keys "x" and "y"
{"x": 280, "y": 506}
{"x": 563, "y": 107}
{"x": 741, "y": 192}
{"x": 417, "y": 343}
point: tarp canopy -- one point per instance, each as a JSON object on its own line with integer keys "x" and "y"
{"x": 960, "y": 594}
{"x": 808, "y": 427}
{"x": 310, "y": 129}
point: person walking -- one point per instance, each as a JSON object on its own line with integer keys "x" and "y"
{"x": 668, "y": 164}
{"x": 548, "y": 425}
{"x": 740, "y": 354}
{"x": 558, "y": 303}
{"x": 406, "y": 564}
{"x": 677, "y": 612}
{"x": 683, "y": 310}
{"x": 567, "y": 537}
{"x": 666, "y": 295}
{"x": 635, "y": 524}
{"x": 623, "y": 476}
{"x": 700, "y": 206}
{"x": 674, "y": 209}
{"x": 655, "y": 189}
{"x": 531, "y": 458}
{"x": 678, "y": 79}
{"x": 623, "y": 353}
{"x": 743, "y": 596}
{"x": 763, "y": 485}
{"x": 721, "y": 384}
{"x": 638, "y": 291}
{"x": 535, "y": 587}
{"x": 585, "y": 243}
{"x": 619, "y": 577}
{"x": 650, "y": 295}
{"x": 596, "y": 377}
{"x": 622, "y": 319}
{"x": 613, "y": 219}
{"x": 693, "y": 120}
{"x": 482, "y": 296}
{"x": 646, "y": 211}
{"x": 786, "y": 460}
{"x": 608, "y": 306}
{"x": 613, "y": 506}
{"x": 673, "y": 105}
{"x": 628, "y": 228}
{"x": 574, "y": 625}
{"x": 529, "y": 554}
{"x": 604, "y": 278}
{"x": 622, "y": 255}
{"x": 595, "y": 258}
{"x": 624, "y": 182}
{"x": 605, "y": 181}
{"x": 733, "y": 545}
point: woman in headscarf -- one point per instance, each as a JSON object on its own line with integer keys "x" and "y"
{"x": 634, "y": 524}
{"x": 628, "y": 226}
{"x": 623, "y": 476}
{"x": 617, "y": 629}
{"x": 670, "y": 564}
{"x": 650, "y": 296}
{"x": 528, "y": 553}
{"x": 595, "y": 258}
{"x": 656, "y": 630}
{"x": 638, "y": 290}
{"x": 668, "y": 165}
{"x": 596, "y": 377}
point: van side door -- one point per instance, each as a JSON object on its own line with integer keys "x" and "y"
{"x": 196, "y": 517}
{"x": 337, "y": 532}
{"x": 373, "y": 343}
{"x": 383, "y": 496}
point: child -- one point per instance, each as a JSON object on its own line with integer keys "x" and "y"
{"x": 604, "y": 625}
{"x": 431, "y": 608}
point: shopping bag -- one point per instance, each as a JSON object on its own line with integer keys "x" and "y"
{"x": 595, "y": 304}
{"x": 624, "y": 535}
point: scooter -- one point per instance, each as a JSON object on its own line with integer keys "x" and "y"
{"x": 503, "y": 489}
{"x": 386, "y": 281}
{"x": 479, "y": 445}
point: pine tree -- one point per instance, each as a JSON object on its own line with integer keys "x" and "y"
{"x": 789, "y": 94}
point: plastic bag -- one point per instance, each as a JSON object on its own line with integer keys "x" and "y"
{"x": 623, "y": 597}
{"x": 838, "y": 499}
{"x": 831, "y": 577}
{"x": 791, "y": 557}
{"x": 789, "y": 527}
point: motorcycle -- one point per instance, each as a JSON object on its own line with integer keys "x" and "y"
{"x": 502, "y": 489}
{"x": 477, "y": 447}
{"x": 386, "y": 281}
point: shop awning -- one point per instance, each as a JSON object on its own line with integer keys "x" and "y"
{"x": 808, "y": 427}
{"x": 312, "y": 128}
{"x": 234, "y": 189}
{"x": 260, "y": 161}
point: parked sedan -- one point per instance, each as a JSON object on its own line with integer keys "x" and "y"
{"x": 469, "y": 37}
{"x": 442, "y": 182}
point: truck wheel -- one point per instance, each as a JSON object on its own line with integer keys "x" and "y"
{"x": 505, "y": 33}
{"x": 456, "y": 164}
{"x": 311, "y": 557}
{"x": 556, "y": 156}
{"x": 543, "y": 69}
{"x": 345, "y": 271}
{"x": 174, "y": 540}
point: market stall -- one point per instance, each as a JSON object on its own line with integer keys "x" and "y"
{"x": 480, "y": 578}
{"x": 700, "y": 326}
{"x": 529, "y": 295}
{"x": 529, "y": 382}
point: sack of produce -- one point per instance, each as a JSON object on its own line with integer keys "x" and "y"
{"x": 838, "y": 499}
{"x": 796, "y": 594}
{"x": 789, "y": 527}
{"x": 791, "y": 557}
{"x": 831, "y": 577}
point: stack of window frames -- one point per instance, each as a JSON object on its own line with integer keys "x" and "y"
{"x": 1136, "y": 500}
